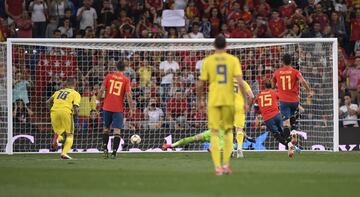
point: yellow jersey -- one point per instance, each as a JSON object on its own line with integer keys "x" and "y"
{"x": 238, "y": 94}
{"x": 65, "y": 99}
{"x": 220, "y": 69}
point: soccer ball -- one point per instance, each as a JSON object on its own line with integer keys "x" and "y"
{"x": 135, "y": 139}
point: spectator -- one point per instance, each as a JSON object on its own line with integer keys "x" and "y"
{"x": 51, "y": 27}
{"x": 107, "y": 14}
{"x": 56, "y": 33}
{"x": 14, "y": 9}
{"x": 66, "y": 28}
{"x": 260, "y": 27}
{"x": 24, "y": 26}
{"x": 294, "y": 32}
{"x": 172, "y": 33}
{"x": 225, "y": 31}
{"x": 242, "y": 31}
{"x": 183, "y": 33}
{"x": 337, "y": 23}
{"x": 135, "y": 121}
{"x": 340, "y": 6}
{"x": 319, "y": 17}
{"x": 86, "y": 15}
{"x": 299, "y": 19}
{"x": 21, "y": 86}
{"x": 195, "y": 31}
{"x": 205, "y": 27}
{"x": 153, "y": 115}
{"x": 57, "y": 9}
{"x": 177, "y": 110}
{"x": 355, "y": 26}
{"x": 129, "y": 71}
{"x": 348, "y": 112}
{"x": 38, "y": 9}
{"x": 352, "y": 74}
{"x": 71, "y": 17}
{"x": 277, "y": 25}
{"x": 4, "y": 30}
{"x": 191, "y": 10}
{"x": 22, "y": 114}
{"x": 95, "y": 123}
{"x": 145, "y": 72}
{"x": 235, "y": 12}
{"x": 263, "y": 9}
{"x": 287, "y": 9}
{"x": 315, "y": 32}
{"x": 87, "y": 103}
{"x": 167, "y": 68}
{"x": 157, "y": 4}
{"x": 215, "y": 22}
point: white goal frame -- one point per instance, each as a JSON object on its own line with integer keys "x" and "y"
{"x": 9, "y": 63}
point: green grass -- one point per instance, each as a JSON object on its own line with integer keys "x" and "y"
{"x": 180, "y": 174}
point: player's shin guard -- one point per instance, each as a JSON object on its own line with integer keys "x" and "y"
{"x": 215, "y": 149}
{"x": 280, "y": 138}
{"x": 68, "y": 144}
{"x": 105, "y": 139}
{"x": 116, "y": 142}
{"x": 286, "y": 134}
{"x": 240, "y": 139}
{"x": 184, "y": 141}
{"x": 228, "y": 145}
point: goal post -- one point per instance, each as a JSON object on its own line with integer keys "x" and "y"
{"x": 166, "y": 112}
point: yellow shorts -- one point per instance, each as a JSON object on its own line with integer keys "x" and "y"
{"x": 239, "y": 119}
{"x": 221, "y": 117}
{"x": 62, "y": 121}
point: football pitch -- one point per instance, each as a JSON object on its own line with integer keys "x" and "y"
{"x": 180, "y": 174}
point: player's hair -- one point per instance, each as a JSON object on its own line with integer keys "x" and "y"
{"x": 71, "y": 81}
{"x": 286, "y": 59}
{"x": 268, "y": 84}
{"x": 120, "y": 66}
{"x": 220, "y": 42}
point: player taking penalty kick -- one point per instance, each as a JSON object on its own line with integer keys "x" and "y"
{"x": 219, "y": 70}
{"x": 116, "y": 85}
{"x": 64, "y": 106}
{"x": 287, "y": 81}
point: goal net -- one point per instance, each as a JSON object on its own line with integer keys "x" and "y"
{"x": 163, "y": 74}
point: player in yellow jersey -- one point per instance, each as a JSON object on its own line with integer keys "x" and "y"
{"x": 240, "y": 114}
{"x": 220, "y": 69}
{"x": 64, "y": 106}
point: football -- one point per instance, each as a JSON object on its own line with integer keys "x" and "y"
{"x": 135, "y": 139}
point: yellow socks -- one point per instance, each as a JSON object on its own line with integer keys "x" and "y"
{"x": 240, "y": 139}
{"x": 215, "y": 148}
{"x": 68, "y": 144}
{"x": 228, "y": 146}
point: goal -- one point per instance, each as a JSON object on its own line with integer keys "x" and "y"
{"x": 162, "y": 73}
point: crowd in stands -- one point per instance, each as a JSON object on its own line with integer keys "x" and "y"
{"x": 203, "y": 19}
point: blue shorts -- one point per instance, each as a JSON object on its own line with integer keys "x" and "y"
{"x": 114, "y": 119}
{"x": 275, "y": 124}
{"x": 288, "y": 109}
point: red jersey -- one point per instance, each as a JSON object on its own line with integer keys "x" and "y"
{"x": 237, "y": 33}
{"x": 287, "y": 81}
{"x": 116, "y": 85}
{"x": 267, "y": 101}
{"x": 355, "y": 29}
{"x": 287, "y": 10}
{"x": 277, "y": 27}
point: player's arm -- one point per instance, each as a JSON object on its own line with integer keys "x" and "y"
{"x": 129, "y": 97}
{"x": 76, "y": 104}
{"x": 306, "y": 85}
{"x": 200, "y": 85}
{"x": 251, "y": 98}
{"x": 242, "y": 87}
{"x": 50, "y": 101}
{"x": 101, "y": 91}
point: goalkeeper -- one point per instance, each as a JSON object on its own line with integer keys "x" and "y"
{"x": 201, "y": 137}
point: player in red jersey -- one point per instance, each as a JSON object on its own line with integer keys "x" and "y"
{"x": 116, "y": 86}
{"x": 267, "y": 104}
{"x": 287, "y": 81}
